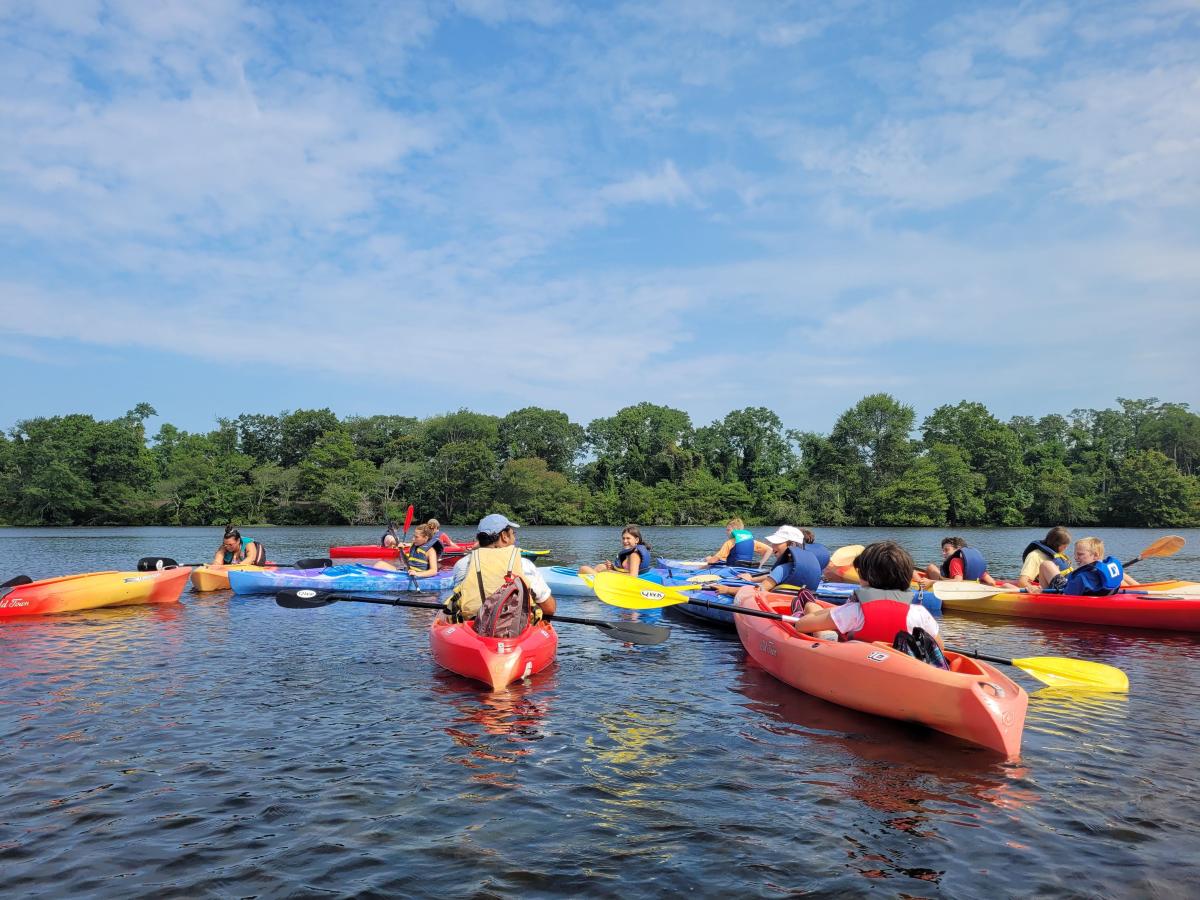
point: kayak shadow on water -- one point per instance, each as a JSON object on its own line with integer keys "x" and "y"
{"x": 892, "y": 767}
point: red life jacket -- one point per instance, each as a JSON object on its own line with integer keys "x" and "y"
{"x": 881, "y": 620}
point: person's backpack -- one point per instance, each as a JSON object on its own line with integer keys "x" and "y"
{"x": 920, "y": 645}
{"x": 504, "y": 612}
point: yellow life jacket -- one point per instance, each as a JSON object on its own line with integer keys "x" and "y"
{"x": 494, "y": 563}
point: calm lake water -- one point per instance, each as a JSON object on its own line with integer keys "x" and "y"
{"x": 227, "y": 747}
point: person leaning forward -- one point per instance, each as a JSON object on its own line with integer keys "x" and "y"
{"x": 496, "y": 556}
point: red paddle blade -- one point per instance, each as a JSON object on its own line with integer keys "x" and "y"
{"x": 408, "y": 518}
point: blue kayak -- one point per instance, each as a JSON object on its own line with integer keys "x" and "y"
{"x": 564, "y": 581}
{"x": 346, "y": 579}
{"x": 830, "y": 591}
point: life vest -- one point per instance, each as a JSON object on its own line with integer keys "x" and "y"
{"x": 798, "y": 568}
{"x": 1098, "y": 579}
{"x": 644, "y": 565}
{"x": 884, "y": 615}
{"x": 493, "y": 564}
{"x": 1059, "y": 559}
{"x": 974, "y": 565}
{"x": 417, "y": 557}
{"x": 260, "y": 556}
{"x": 743, "y": 547}
{"x": 821, "y": 552}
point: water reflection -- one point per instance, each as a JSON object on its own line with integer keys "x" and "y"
{"x": 889, "y": 766}
{"x": 492, "y": 731}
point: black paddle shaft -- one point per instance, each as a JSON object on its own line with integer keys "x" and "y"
{"x": 626, "y": 632}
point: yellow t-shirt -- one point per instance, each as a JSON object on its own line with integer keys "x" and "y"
{"x": 1033, "y": 564}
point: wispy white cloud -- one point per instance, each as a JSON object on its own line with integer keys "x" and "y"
{"x": 608, "y": 188}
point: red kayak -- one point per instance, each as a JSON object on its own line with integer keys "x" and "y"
{"x": 71, "y": 593}
{"x": 497, "y": 662}
{"x": 373, "y": 551}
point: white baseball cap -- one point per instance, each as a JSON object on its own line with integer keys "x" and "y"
{"x": 786, "y": 533}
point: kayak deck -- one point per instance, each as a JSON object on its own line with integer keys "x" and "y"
{"x": 94, "y": 590}
{"x": 495, "y": 662}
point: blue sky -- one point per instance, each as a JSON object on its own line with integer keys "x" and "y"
{"x": 408, "y": 207}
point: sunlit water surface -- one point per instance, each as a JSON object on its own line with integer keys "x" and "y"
{"x": 224, "y": 746}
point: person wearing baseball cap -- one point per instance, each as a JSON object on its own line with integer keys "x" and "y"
{"x": 496, "y": 556}
{"x": 795, "y": 567}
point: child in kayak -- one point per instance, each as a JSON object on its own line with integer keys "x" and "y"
{"x": 390, "y": 538}
{"x": 421, "y": 557}
{"x": 819, "y": 550}
{"x": 959, "y": 563}
{"x": 878, "y": 611}
{"x": 1043, "y": 561}
{"x": 796, "y": 567}
{"x": 1094, "y": 575}
{"x": 741, "y": 547}
{"x": 633, "y": 559}
{"x": 237, "y": 549}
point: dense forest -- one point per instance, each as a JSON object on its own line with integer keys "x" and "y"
{"x": 1135, "y": 465}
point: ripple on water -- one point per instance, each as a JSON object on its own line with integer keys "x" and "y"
{"x": 228, "y": 747}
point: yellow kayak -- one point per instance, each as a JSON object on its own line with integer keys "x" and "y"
{"x": 216, "y": 578}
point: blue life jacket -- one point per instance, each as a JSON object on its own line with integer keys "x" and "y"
{"x": 644, "y": 565}
{"x": 797, "y": 567}
{"x": 821, "y": 552}
{"x": 742, "y": 551}
{"x": 1098, "y": 579}
{"x": 1059, "y": 559}
{"x": 974, "y": 565}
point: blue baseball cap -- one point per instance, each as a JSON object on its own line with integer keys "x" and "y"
{"x": 494, "y": 524}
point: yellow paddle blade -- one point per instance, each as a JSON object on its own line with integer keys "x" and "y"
{"x": 627, "y": 592}
{"x": 1058, "y": 671}
{"x": 845, "y": 556}
{"x": 1164, "y": 546}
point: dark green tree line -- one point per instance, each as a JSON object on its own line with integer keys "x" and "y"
{"x": 1136, "y": 464}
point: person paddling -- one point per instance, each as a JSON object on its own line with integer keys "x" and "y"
{"x": 496, "y": 556}
{"x": 880, "y": 610}
{"x": 421, "y": 559}
{"x": 237, "y": 549}
{"x": 740, "y": 548}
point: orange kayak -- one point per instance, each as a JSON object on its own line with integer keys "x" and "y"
{"x": 972, "y": 700}
{"x": 496, "y": 662}
{"x": 71, "y": 593}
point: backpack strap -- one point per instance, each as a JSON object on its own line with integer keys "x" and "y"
{"x": 479, "y": 575}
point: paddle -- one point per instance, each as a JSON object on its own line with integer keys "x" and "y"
{"x": 154, "y": 563}
{"x": 625, "y": 632}
{"x": 1164, "y": 546}
{"x": 1061, "y": 671}
{"x": 17, "y": 581}
{"x": 1054, "y": 670}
